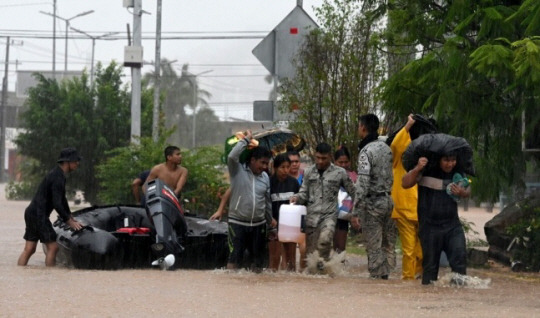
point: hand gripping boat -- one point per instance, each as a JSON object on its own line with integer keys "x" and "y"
{"x": 121, "y": 236}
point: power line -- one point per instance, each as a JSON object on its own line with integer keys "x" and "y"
{"x": 147, "y": 32}
{"x": 47, "y": 35}
{"x": 219, "y": 65}
{"x": 24, "y": 4}
{"x": 226, "y": 75}
{"x": 230, "y": 103}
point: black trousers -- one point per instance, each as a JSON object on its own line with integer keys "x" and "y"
{"x": 250, "y": 239}
{"x": 438, "y": 238}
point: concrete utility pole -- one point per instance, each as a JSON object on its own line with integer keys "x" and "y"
{"x": 157, "y": 71}
{"x": 4, "y": 121}
{"x": 192, "y": 78}
{"x": 54, "y": 42}
{"x": 136, "y": 76}
{"x": 195, "y": 104}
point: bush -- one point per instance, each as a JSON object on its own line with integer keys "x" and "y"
{"x": 31, "y": 176}
{"x": 470, "y": 231}
{"x": 205, "y": 178}
{"x": 527, "y": 239}
{"x": 20, "y": 190}
{"x": 122, "y": 166}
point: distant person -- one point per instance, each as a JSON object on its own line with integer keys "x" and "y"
{"x": 171, "y": 172}
{"x": 342, "y": 158}
{"x": 218, "y": 215}
{"x": 51, "y": 194}
{"x": 440, "y": 227}
{"x": 373, "y": 201}
{"x": 295, "y": 170}
{"x": 319, "y": 192}
{"x": 136, "y": 187}
{"x": 250, "y": 208}
{"x": 282, "y": 188}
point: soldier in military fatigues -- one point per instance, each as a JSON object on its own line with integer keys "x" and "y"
{"x": 319, "y": 192}
{"x": 373, "y": 203}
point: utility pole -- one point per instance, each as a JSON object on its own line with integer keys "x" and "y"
{"x": 157, "y": 73}
{"x": 54, "y": 42}
{"x": 4, "y": 121}
{"x": 192, "y": 79}
{"x": 136, "y": 76}
{"x": 195, "y": 103}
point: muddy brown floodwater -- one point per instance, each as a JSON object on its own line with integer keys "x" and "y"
{"x": 62, "y": 292}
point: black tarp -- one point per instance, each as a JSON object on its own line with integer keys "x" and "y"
{"x": 422, "y": 125}
{"x": 434, "y": 146}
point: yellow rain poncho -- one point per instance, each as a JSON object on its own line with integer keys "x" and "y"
{"x": 405, "y": 210}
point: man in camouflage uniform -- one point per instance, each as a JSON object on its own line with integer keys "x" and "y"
{"x": 373, "y": 202}
{"x": 319, "y": 192}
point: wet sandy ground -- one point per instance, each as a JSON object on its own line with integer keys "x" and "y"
{"x": 61, "y": 292}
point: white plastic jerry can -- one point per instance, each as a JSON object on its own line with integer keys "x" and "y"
{"x": 290, "y": 218}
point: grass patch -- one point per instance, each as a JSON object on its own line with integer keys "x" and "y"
{"x": 355, "y": 243}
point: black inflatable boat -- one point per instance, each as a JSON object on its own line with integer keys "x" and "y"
{"x": 115, "y": 237}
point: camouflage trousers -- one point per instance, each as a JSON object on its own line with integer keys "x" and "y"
{"x": 380, "y": 234}
{"x": 320, "y": 238}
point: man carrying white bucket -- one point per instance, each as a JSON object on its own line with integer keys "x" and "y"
{"x": 319, "y": 193}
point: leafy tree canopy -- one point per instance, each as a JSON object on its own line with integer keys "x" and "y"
{"x": 204, "y": 184}
{"x": 477, "y": 71}
{"x": 73, "y": 113}
{"x": 338, "y": 69}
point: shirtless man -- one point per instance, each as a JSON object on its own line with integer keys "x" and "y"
{"x": 170, "y": 172}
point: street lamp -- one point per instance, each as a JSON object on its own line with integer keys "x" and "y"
{"x": 67, "y": 29}
{"x": 93, "y": 48}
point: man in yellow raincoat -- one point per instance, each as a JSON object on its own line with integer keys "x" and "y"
{"x": 405, "y": 202}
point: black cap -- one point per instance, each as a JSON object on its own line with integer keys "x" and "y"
{"x": 69, "y": 154}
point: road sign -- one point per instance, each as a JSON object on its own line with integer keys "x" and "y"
{"x": 263, "y": 110}
{"x": 277, "y": 50}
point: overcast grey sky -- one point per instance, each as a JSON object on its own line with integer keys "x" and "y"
{"x": 232, "y": 74}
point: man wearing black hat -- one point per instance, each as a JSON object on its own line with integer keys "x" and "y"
{"x": 50, "y": 195}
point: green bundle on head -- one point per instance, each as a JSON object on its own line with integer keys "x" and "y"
{"x": 461, "y": 181}
{"x": 229, "y": 145}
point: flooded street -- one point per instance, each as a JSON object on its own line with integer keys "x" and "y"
{"x": 37, "y": 291}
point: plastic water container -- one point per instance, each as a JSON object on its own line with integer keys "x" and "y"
{"x": 290, "y": 217}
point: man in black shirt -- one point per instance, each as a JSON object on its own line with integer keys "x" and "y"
{"x": 50, "y": 195}
{"x": 439, "y": 226}
{"x": 136, "y": 186}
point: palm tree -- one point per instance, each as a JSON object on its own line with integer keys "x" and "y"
{"x": 190, "y": 91}
{"x": 177, "y": 93}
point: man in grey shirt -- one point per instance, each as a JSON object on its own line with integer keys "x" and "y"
{"x": 250, "y": 207}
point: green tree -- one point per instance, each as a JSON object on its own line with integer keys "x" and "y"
{"x": 477, "y": 73}
{"x": 72, "y": 113}
{"x": 123, "y": 164}
{"x": 205, "y": 181}
{"x": 338, "y": 69}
